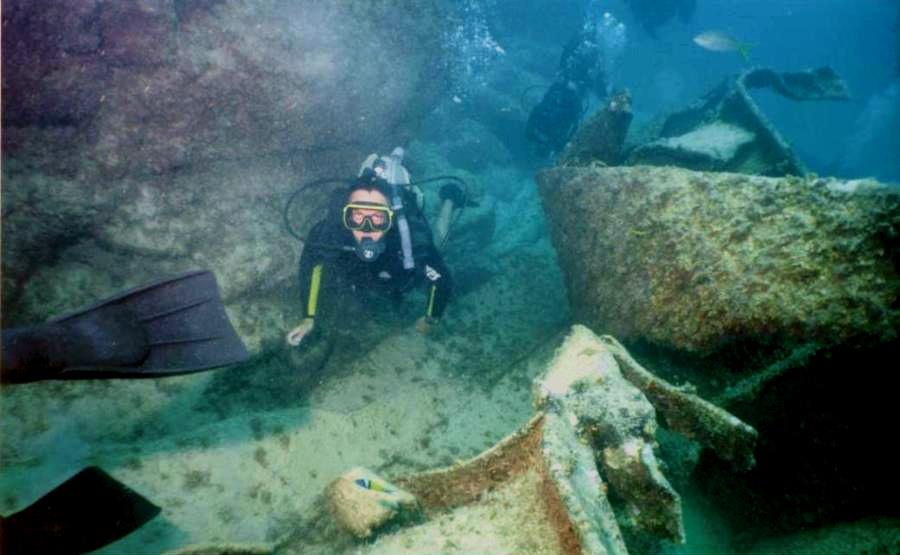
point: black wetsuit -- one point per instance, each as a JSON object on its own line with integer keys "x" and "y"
{"x": 554, "y": 120}
{"x": 328, "y": 272}
{"x": 581, "y": 63}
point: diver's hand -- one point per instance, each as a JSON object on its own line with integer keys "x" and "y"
{"x": 296, "y": 335}
{"x": 425, "y": 324}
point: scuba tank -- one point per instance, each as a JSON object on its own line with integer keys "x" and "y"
{"x": 398, "y": 177}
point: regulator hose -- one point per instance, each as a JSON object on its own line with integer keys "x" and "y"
{"x": 290, "y": 202}
{"x": 465, "y": 202}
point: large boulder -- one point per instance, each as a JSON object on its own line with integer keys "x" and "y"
{"x": 142, "y": 139}
{"x": 700, "y": 261}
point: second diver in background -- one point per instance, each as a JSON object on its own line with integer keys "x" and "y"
{"x": 581, "y": 72}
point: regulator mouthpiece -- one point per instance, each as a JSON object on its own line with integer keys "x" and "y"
{"x": 369, "y": 250}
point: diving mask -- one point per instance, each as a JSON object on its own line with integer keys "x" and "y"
{"x": 367, "y": 217}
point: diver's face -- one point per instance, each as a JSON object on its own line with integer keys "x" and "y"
{"x": 363, "y": 195}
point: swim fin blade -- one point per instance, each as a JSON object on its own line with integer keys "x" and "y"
{"x": 172, "y": 326}
{"x": 84, "y": 513}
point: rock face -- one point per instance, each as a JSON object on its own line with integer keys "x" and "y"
{"x": 155, "y": 85}
{"x": 699, "y": 261}
{"x": 145, "y": 138}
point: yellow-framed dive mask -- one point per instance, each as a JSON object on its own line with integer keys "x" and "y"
{"x": 367, "y": 217}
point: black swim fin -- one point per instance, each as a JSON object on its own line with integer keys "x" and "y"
{"x": 173, "y": 326}
{"x": 84, "y": 513}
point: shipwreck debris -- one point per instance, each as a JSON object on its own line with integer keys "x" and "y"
{"x": 689, "y": 415}
{"x": 593, "y": 431}
{"x": 601, "y": 138}
{"x": 726, "y": 131}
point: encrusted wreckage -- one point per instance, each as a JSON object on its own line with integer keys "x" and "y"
{"x": 726, "y": 131}
{"x": 723, "y": 131}
{"x": 593, "y": 433}
{"x": 601, "y": 138}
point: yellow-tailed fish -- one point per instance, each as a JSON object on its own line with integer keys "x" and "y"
{"x": 720, "y": 41}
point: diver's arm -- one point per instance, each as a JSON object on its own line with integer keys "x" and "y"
{"x": 440, "y": 285}
{"x": 316, "y": 256}
{"x": 431, "y": 266}
{"x": 310, "y": 303}
{"x": 312, "y": 270}
{"x": 310, "y": 286}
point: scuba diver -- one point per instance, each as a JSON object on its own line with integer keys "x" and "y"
{"x": 556, "y": 117}
{"x": 374, "y": 239}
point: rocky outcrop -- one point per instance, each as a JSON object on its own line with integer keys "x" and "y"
{"x": 701, "y": 261}
{"x": 146, "y": 138}
{"x": 156, "y": 85}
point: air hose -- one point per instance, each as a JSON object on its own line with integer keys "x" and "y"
{"x": 465, "y": 202}
{"x": 290, "y": 202}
